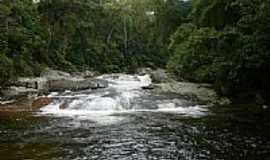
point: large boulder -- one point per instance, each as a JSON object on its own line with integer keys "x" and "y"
{"x": 159, "y": 75}
{"x": 27, "y": 89}
{"x": 32, "y": 83}
{"x": 74, "y": 85}
{"x": 53, "y": 80}
{"x": 51, "y": 74}
{"x": 25, "y": 82}
{"x": 61, "y": 81}
{"x": 15, "y": 92}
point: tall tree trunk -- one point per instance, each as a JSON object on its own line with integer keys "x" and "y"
{"x": 108, "y": 41}
{"x": 6, "y": 36}
{"x": 49, "y": 39}
{"x": 125, "y": 38}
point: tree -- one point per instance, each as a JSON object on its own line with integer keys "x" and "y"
{"x": 6, "y": 71}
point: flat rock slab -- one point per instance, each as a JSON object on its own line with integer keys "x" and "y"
{"x": 75, "y": 85}
{"x": 16, "y": 92}
{"x": 25, "y": 104}
{"x": 203, "y": 92}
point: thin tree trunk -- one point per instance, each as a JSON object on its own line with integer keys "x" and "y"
{"x": 6, "y": 37}
{"x": 50, "y": 39}
{"x": 109, "y": 36}
{"x": 125, "y": 38}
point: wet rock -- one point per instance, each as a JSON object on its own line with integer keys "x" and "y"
{"x": 86, "y": 74}
{"x": 159, "y": 75}
{"x": 144, "y": 71}
{"x": 51, "y": 74}
{"x": 52, "y": 80}
{"x": 203, "y": 92}
{"x": 4, "y": 102}
{"x": 33, "y": 83}
{"x": 26, "y": 104}
{"x": 99, "y": 84}
{"x": 223, "y": 101}
{"x": 18, "y": 105}
{"x": 25, "y": 82}
{"x": 74, "y": 85}
{"x": 14, "y": 92}
{"x": 64, "y": 104}
{"x": 149, "y": 87}
{"x": 41, "y": 102}
{"x": 42, "y": 85}
{"x": 61, "y": 81}
{"x": 111, "y": 76}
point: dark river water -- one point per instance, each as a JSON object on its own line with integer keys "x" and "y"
{"x": 126, "y": 123}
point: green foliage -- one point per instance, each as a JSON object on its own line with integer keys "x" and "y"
{"x": 235, "y": 55}
{"x": 108, "y": 36}
{"x": 21, "y": 67}
{"x": 217, "y": 41}
{"x": 181, "y": 35}
{"x": 220, "y": 14}
{"x": 6, "y": 70}
{"x": 194, "y": 57}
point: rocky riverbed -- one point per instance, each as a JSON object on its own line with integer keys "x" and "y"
{"x": 133, "y": 118}
{"x": 24, "y": 91}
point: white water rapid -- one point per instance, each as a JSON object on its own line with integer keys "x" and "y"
{"x": 124, "y": 95}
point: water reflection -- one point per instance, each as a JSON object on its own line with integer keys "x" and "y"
{"x": 127, "y": 123}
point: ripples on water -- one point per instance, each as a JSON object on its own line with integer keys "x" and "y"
{"x": 126, "y": 123}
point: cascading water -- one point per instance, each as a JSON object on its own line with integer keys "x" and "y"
{"x": 124, "y": 94}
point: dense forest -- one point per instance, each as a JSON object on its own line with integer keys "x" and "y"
{"x": 215, "y": 41}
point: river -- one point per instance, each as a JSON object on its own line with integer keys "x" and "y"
{"x": 126, "y": 122}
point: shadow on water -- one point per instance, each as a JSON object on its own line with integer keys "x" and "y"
{"x": 232, "y": 132}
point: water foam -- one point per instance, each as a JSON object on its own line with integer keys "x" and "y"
{"x": 120, "y": 97}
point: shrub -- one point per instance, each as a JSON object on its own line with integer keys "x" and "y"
{"x": 6, "y": 71}
{"x": 194, "y": 58}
